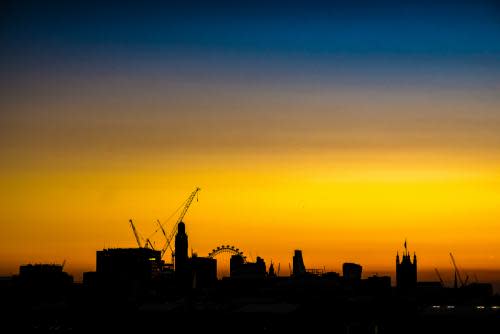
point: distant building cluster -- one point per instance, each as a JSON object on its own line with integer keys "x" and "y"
{"x": 139, "y": 272}
{"x": 140, "y": 280}
{"x": 43, "y": 281}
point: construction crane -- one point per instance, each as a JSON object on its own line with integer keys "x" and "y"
{"x": 148, "y": 243}
{"x": 138, "y": 238}
{"x": 457, "y": 272}
{"x": 136, "y": 234}
{"x": 439, "y": 276}
{"x": 162, "y": 229}
{"x": 170, "y": 237}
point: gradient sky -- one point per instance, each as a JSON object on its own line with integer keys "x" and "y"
{"x": 340, "y": 128}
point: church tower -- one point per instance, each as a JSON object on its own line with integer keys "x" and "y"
{"x": 406, "y": 271}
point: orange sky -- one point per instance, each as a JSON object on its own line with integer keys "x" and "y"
{"x": 345, "y": 174}
{"x": 336, "y": 128}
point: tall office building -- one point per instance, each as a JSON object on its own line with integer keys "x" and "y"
{"x": 298, "y": 264}
{"x": 182, "y": 270}
{"x": 181, "y": 248}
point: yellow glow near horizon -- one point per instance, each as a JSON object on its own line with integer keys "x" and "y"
{"x": 343, "y": 174}
{"x": 335, "y": 207}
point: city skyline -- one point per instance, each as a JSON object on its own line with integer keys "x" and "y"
{"x": 339, "y": 129}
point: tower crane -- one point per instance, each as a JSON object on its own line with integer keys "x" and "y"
{"x": 136, "y": 234}
{"x": 147, "y": 243}
{"x": 457, "y": 272}
{"x": 170, "y": 237}
{"x": 439, "y": 276}
{"x": 161, "y": 227}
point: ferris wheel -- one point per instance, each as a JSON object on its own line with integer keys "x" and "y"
{"x": 223, "y": 254}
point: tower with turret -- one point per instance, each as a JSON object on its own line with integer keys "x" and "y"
{"x": 182, "y": 271}
{"x": 406, "y": 270}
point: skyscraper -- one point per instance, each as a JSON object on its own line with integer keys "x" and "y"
{"x": 298, "y": 263}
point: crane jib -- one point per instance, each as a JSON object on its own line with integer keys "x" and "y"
{"x": 171, "y": 236}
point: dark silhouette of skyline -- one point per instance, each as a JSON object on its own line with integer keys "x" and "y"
{"x": 324, "y": 130}
{"x": 138, "y": 282}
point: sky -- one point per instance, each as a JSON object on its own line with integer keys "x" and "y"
{"x": 341, "y": 128}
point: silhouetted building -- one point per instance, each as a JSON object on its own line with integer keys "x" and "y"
{"x": 204, "y": 271}
{"x": 124, "y": 273}
{"x": 378, "y": 284}
{"x": 182, "y": 271}
{"x": 478, "y": 290}
{"x": 141, "y": 264}
{"x": 46, "y": 281}
{"x": 429, "y": 285}
{"x": 352, "y": 272}
{"x": 406, "y": 271}
{"x": 90, "y": 279}
{"x": 298, "y": 264}
{"x": 127, "y": 271}
{"x": 272, "y": 273}
{"x": 235, "y": 263}
{"x": 332, "y": 276}
{"x": 238, "y": 268}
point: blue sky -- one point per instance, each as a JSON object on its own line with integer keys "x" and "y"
{"x": 110, "y": 106}
{"x": 350, "y": 28}
{"x": 452, "y": 43}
